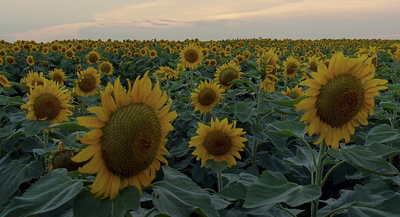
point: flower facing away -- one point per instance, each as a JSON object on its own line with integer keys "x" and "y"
{"x": 4, "y": 81}
{"x": 339, "y": 97}
{"x": 166, "y": 72}
{"x": 92, "y": 57}
{"x": 294, "y": 93}
{"x": 106, "y": 67}
{"x": 88, "y": 83}
{"x": 48, "y": 102}
{"x": 129, "y": 136}
{"x": 58, "y": 76}
{"x": 220, "y": 141}
{"x": 226, "y": 73}
{"x": 271, "y": 72}
{"x": 206, "y": 96}
{"x": 290, "y": 66}
{"x": 191, "y": 56}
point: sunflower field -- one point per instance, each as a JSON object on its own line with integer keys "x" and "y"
{"x": 242, "y": 127}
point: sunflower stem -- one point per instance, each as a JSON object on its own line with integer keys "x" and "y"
{"x": 318, "y": 176}
{"x": 254, "y": 152}
{"x": 331, "y": 170}
{"x": 150, "y": 211}
{"x": 45, "y": 137}
{"x": 219, "y": 182}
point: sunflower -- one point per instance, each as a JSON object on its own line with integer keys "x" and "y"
{"x": 88, "y": 83}
{"x": 206, "y": 96}
{"x": 338, "y": 96}
{"x": 4, "y": 81}
{"x": 69, "y": 54}
{"x": 312, "y": 65}
{"x": 106, "y": 67}
{"x": 191, "y": 56}
{"x": 129, "y": 137}
{"x": 45, "y": 50}
{"x": 79, "y": 46}
{"x": 55, "y": 47}
{"x": 271, "y": 71}
{"x": 92, "y": 57}
{"x": 220, "y": 141}
{"x": 10, "y": 60}
{"x": 1, "y": 61}
{"x": 289, "y": 66}
{"x": 58, "y": 76}
{"x": 143, "y": 52}
{"x": 45, "y": 64}
{"x": 62, "y": 159}
{"x": 3, "y": 53}
{"x": 16, "y": 49}
{"x": 293, "y": 93}
{"x": 153, "y": 54}
{"x": 213, "y": 62}
{"x": 30, "y": 60}
{"x": 48, "y": 102}
{"x": 226, "y": 73}
{"x": 33, "y": 79}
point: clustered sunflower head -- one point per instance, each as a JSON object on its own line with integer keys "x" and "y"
{"x": 219, "y": 141}
{"x": 191, "y": 56}
{"x": 33, "y": 79}
{"x": 226, "y": 73}
{"x": 339, "y": 97}
{"x": 88, "y": 83}
{"x": 4, "y": 81}
{"x": 206, "y": 96}
{"x": 294, "y": 93}
{"x": 106, "y": 67}
{"x": 128, "y": 138}
{"x": 166, "y": 72}
{"x": 93, "y": 57}
{"x": 48, "y": 102}
{"x": 58, "y": 76}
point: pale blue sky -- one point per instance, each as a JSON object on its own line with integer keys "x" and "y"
{"x": 45, "y": 20}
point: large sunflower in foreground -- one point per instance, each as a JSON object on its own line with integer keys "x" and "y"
{"x": 48, "y": 102}
{"x": 206, "y": 96}
{"x": 220, "y": 141}
{"x": 88, "y": 83}
{"x": 226, "y": 73}
{"x": 191, "y": 56}
{"x": 339, "y": 96}
{"x": 129, "y": 137}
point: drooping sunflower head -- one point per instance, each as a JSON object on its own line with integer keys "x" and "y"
{"x": 294, "y": 93}
{"x": 129, "y": 136}
{"x": 206, "y": 96}
{"x": 106, "y": 67}
{"x": 290, "y": 66}
{"x": 58, "y": 76}
{"x": 88, "y": 83}
{"x": 33, "y": 79}
{"x": 339, "y": 97}
{"x": 219, "y": 141}
{"x": 226, "y": 73}
{"x": 4, "y": 81}
{"x": 93, "y": 57}
{"x": 48, "y": 102}
{"x": 191, "y": 56}
{"x": 62, "y": 159}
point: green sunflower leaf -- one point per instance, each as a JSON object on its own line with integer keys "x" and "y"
{"x": 363, "y": 159}
{"x": 47, "y": 194}
{"x": 273, "y": 187}
{"x": 85, "y": 205}
{"x": 288, "y": 103}
{"x": 70, "y": 126}
{"x": 32, "y": 128}
{"x": 380, "y": 134}
{"x": 15, "y": 174}
{"x": 217, "y": 166}
{"x": 178, "y": 195}
{"x": 289, "y": 128}
{"x": 244, "y": 112}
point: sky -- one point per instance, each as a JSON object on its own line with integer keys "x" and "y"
{"x": 47, "y": 20}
